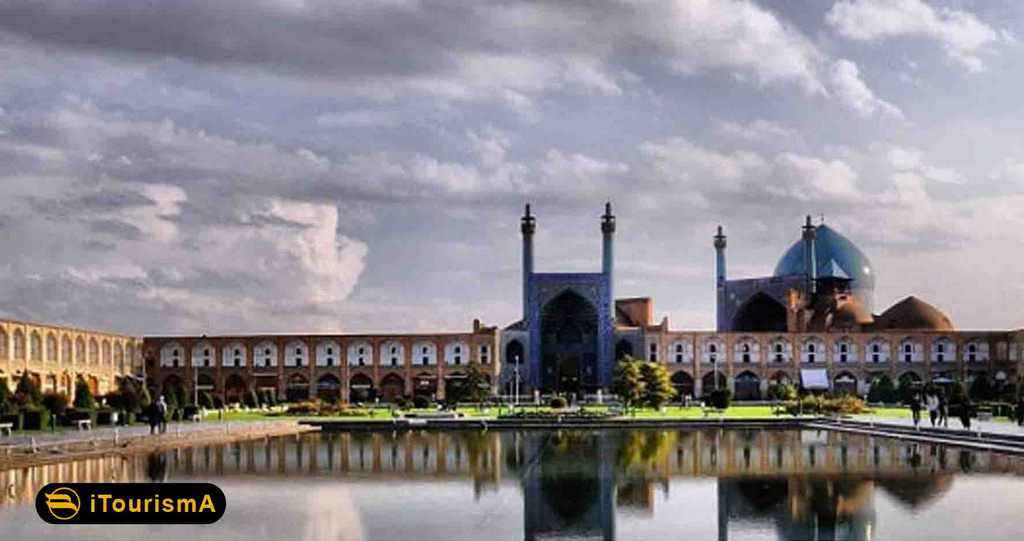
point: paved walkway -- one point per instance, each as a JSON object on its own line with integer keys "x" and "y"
{"x": 994, "y": 427}
{"x": 107, "y": 432}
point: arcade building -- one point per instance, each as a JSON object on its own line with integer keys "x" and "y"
{"x": 813, "y": 321}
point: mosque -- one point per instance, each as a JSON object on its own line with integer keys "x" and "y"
{"x": 812, "y": 322}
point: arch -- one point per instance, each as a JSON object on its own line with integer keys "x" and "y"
{"x": 119, "y": 356}
{"x": 425, "y": 384}
{"x": 910, "y": 350}
{"x": 392, "y": 353}
{"x": 80, "y": 357}
{"x": 683, "y": 384}
{"x": 514, "y": 352}
{"x": 748, "y": 386}
{"x": 173, "y": 387}
{"x": 877, "y": 351}
{"x": 328, "y": 353}
{"x": 94, "y": 351}
{"x": 206, "y": 382}
{"x": 65, "y": 350}
{"x": 108, "y": 356}
{"x": 812, "y": 351}
{"x": 975, "y": 351}
{"x": 909, "y": 378}
{"x": 747, "y": 350}
{"x": 845, "y": 382}
{"x": 623, "y": 348}
{"x": 360, "y": 388}
{"x": 203, "y": 354}
{"x": 712, "y": 350}
{"x": 760, "y": 313}
{"x": 780, "y": 376}
{"x": 296, "y": 354}
{"x": 392, "y": 387}
{"x": 18, "y": 340}
{"x": 456, "y": 353}
{"x": 297, "y": 388}
{"x": 328, "y": 387}
{"x": 3, "y": 343}
{"x": 360, "y": 353}
{"x": 708, "y": 382}
{"x": 680, "y": 352}
{"x": 235, "y": 388}
{"x": 233, "y": 355}
{"x": 35, "y": 347}
{"x": 568, "y": 342}
{"x": 845, "y": 350}
{"x": 171, "y": 355}
{"x": 943, "y": 350}
{"x": 264, "y": 355}
{"x": 424, "y": 353}
{"x": 780, "y": 350}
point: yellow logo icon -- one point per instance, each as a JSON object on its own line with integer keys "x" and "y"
{"x": 63, "y": 503}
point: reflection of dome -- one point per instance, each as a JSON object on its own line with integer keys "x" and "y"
{"x": 917, "y": 492}
{"x": 832, "y": 248}
{"x": 914, "y": 314}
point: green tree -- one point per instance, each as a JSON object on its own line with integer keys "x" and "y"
{"x": 657, "y": 385}
{"x": 27, "y": 394}
{"x": 628, "y": 383}
{"x": 56, "y": 403}
{"x": 477, "y": 387}
{"x": 83, "y": 395}
{"x": 5, "y": 397}
{"x": 982, "y": 388}
{"x": 882, "y": 390}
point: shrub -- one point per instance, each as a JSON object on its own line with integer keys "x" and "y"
{"x": 27, "y": 394}
{"x": 251, "y": 399}
{"x": 303, "y": 408}
{"x": 421, "y": 402}
{"x": 719, "y": 398}
{"x": 55, "y": 403}
{"x": 218, "y": 402}
{"x": 558, "y": 402}
{"x": 402, "y": 402}
{"x": 882, "y": 390}
{"x": 782, "y": 391}
{"x": 83, "y": 395}
{"x": 5, "y": 398}
{"x": 206, "y": 400}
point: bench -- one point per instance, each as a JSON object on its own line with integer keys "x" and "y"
{"x": 6, "y": 428}
{"x": 83, "y": 424}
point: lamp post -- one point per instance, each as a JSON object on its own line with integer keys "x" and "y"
{"x": 515, "y": 382}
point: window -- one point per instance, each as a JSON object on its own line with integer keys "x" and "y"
{"x": 458, "y": 349}
{"x": 330, "y": 350}
{"x": 484, "y": 354}
{"x": 712, "y": 348}
{"x": 425, "y": 360}
{"x": 653, "y": 357}
{"x": 746, "y": 353}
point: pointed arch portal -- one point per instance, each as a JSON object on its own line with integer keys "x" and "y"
{"x": 568, "y": 331}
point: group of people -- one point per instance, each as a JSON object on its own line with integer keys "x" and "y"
{"x": 157, "y": 416}
{"x": 938, "y": 409}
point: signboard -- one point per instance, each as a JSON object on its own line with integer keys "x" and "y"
{"x": 814, "y": 378}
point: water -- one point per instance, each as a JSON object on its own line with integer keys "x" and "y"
{"x": 575, "y": 484}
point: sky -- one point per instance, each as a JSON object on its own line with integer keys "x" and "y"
{"x": 248, "y": 166}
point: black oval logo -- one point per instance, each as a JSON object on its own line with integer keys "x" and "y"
{"x": 130, "y": 503}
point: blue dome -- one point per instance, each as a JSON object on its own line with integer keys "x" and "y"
{"x": 836, "y": 252}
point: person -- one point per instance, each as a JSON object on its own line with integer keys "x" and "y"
{"x": 1020, "y": 410}
{"x": 943, "y": 410}
{"x": 932, "y": 402}
{"x": 153, "y": 416}
{"x": 161, "y": 414}
{"x": 915, "y": 409}
{"x": 965, "y": 413}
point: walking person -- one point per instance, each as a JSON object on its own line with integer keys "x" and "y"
{"x": 943, "y": 410}
{"x": 915, "y": 409}
{"x": 153, "y": 416}
{"x": 161, "y": 414}
{"x": 965, "y": 413}
{"x": 1020, "y": 410}
{"x": 932, "y": 402}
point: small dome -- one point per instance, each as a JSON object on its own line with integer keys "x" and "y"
{"x": 836, "y": 255}
{"x": 852, "y": 313}
{"x": 914, "y": 314}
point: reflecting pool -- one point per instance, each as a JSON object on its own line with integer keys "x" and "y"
{"x": 567, "y": 484}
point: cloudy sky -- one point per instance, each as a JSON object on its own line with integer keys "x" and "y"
{"x": 307, "y": 165}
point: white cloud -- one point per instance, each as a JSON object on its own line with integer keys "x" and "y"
{"x": 756, "y": 130}
{"x": 845, "y": 82}
{"x": 679, "y": 160}
{"x": 912, "y": 160}
{"x": 962, "y": 35}
{"x": 1010, "y": 171}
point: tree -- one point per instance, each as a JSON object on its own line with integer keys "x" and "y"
{"x": 5, "y": 397}
{"x": 882, "y": 390}
{"x": 27, "y": 394}
{"x": 478, "y": 389}
{"x": 628, "y": 383}
{"x": 83, "y": 395}
{"x": 54, "y": 402}
{"x": 982, "y": 388}
{"x": 657, "y": 385}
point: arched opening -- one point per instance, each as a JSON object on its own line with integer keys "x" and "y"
{"x": 622, "y": 348}
{"x": 298, "y": 388}
{"x": 173, "y": 389}
{"x": 683, "y": 383}
{"x": 748, "y": 386}
{"x": 425, "y": 384}
{"x": 709, "y": 382}
{"x": 392, "y": 387}
{"x": 760, "y": 313}
{"x": 845, "y": 383}
{"x": 328, "y": 388}
{"x": 361, "y": 388}
{"x": 514, "y": 353}
{"x": 234, "y": 388}
{"x": 568, "y": 343}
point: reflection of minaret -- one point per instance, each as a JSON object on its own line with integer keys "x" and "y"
{"x": 570, "y": 492}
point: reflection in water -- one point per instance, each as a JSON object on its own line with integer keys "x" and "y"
{"x": 573, "y": 484}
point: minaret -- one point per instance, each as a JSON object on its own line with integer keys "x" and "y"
{"x": 720, "y": 278}
{"x": 608, "y": 253}
{"x": 527, "y": 225}
{"x": 810, "y": 258}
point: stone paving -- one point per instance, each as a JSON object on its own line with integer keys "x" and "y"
{"x": 107, "y": 432}
{"x": 993, "y": 427}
